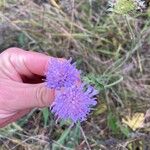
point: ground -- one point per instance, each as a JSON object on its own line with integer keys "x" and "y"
{"x": 113, "y": 52}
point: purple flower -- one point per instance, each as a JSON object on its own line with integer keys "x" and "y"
{"x": 61, "y": 73}
{"x": 74, "y": 103}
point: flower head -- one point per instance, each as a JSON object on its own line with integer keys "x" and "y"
{"x": 126, "y": 6}
{"x": 74, "y": 103}
{"x": 61, "y": 74}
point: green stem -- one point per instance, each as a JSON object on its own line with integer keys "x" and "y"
{"x": 129, "y": 28}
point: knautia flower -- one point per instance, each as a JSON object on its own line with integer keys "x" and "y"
{"x": 74, "y": 103}
{"x": 61, "y": 73}
{"x": 126, "y": 6}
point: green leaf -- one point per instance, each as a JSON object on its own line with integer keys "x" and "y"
{"x": 45, "y": 113}
{"x": 62, "y": 139}
{"x": 100, "y": 109}
{"x": 75, "y": 135}
{"x": 112, "y": 122}
{"x": 21, "y": 39}
{"x": 123, "y": 129}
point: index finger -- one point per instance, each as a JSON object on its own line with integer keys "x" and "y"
{"x": 28, "y": 63}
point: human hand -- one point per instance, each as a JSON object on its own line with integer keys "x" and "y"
{"x": 19, "y": 71}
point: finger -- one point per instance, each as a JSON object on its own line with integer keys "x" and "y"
{"x": 19, "y": 114}
{"x": 28, "y": 95}
{"x": 27, "y": 62}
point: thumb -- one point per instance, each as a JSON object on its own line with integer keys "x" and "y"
{"x": 24, "y": 95}
{"x": 38, "y": 95}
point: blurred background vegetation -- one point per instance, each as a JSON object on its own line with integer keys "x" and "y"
{"x": 112, "y": 50}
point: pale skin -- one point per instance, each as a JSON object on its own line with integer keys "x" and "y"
{"x": 21, "y": 84}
